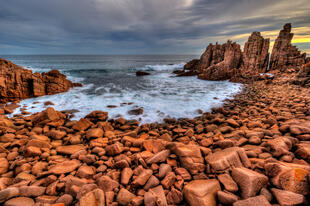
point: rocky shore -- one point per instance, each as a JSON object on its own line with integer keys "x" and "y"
{"x": 252, "y": 151}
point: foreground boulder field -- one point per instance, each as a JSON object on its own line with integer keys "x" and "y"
{"x": 228, "y": 62}
{"x": 17, "y": 83}
{"x": 254, "y": 150}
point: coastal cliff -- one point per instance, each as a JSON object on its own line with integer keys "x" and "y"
{"x": 17, "y": 83}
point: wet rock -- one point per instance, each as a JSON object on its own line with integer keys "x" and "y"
{"x": 249, "y": 181}
{"x": 137, "y": 111}
{"x": 48, "y": 116}
{"x": 201, "y": 192}
{"x": 142, "y": 73}
{"x": 97, "y": 116}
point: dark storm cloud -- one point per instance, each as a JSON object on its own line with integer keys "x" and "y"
{"x": 138, "y": 26}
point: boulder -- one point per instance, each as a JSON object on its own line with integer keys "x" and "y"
{"x": 93, "y": 198}
{"x": 228, "y": 158}
{"x": 142, "y": 73}
{"x": 287, "y": 198}
{"x": 189, "y": 155}
{"x": 155, "y": 196}
{"x": 249, "y": 181}
{"x": 48, "y": 116}
{"x": 202, "y": 192}
{"x": 64, "y": 167}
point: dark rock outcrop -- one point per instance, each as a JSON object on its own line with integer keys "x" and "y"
{"x": 284, "y": 55}
{"x": 17, "y": 83}
{"x": 142, "y": 73}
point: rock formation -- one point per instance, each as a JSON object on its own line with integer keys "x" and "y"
{"x": 255, "y": 55}
{"x": 17, "y": 83}
{"x": 284, "y": 55}
{"x": 219, "y": 61}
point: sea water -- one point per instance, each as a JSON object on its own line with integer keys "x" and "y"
{"x": 110, "y": 80}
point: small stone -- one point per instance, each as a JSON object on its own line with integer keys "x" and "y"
{"x": 124, "y": 197}
{"x": 159, "y": 157}
{"x": 126, "y": 175}
{"x": 107, "y": 184}
{"x": 69, "y": 149}
{"x": 155, "y": 196}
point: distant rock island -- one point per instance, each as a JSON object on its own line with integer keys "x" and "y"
{"x": 227, "y": 61}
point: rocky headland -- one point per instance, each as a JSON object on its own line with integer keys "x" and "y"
{"x": 228, "y": 62}
{"x": 253, "y": 151}
{"x": 17, "y": 83}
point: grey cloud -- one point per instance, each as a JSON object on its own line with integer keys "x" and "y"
{"x": 137, "y": 26}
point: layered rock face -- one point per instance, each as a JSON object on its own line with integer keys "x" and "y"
{"x": 284, "y": 55}
{"x": 218, "y": 62}
{"x": 17, "y": 83}
{"x": 256, "y": 55}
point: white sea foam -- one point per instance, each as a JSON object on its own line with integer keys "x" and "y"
{"x": 164, "y": 67}
{"x": 165, "y": 96}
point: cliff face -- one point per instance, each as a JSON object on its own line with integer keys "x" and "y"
{"x": 226, "y": 61}
{"x": 17, "y": 83}
{"x": 219, "y": 61}
{"x": 256, "y": 55}
{"x": 284, "y": 55}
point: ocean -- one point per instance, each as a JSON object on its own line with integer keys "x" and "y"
{"x": 110, "y": 80}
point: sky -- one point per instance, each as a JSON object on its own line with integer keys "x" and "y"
{"x": 143, "y": 26}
